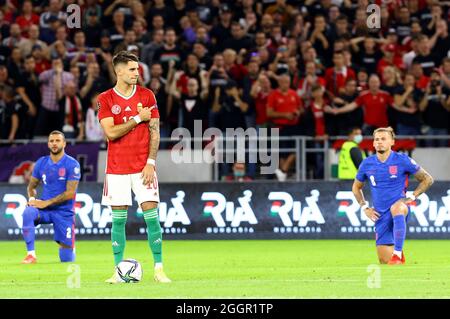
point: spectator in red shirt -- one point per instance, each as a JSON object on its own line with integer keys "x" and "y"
{"x": 191, "y": 70}
{"x": 318, "y": 129}
{"x": 421, "y": 79}
{"x": 260, "y": 93}
{"x": 234, "y": 68}
{"x": 317, "y": 106}
{"x": 27, "y": 18}
{"x": 42, "y": 64}
{"x": 375, "y": 103}
{"x": 389, "y": 59}
{"x": 284, "y": 108}
{"x": 306, "y": 83}
{"x": 362, "y": 79}
{"x": 336, "y": 76}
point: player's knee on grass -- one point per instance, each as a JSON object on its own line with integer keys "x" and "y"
{"x": 66, "y": 254}
{"x": 399, "y": 208}
{"x": 29, "y": 215}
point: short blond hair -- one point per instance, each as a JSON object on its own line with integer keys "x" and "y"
{"x": 385, "y": 129}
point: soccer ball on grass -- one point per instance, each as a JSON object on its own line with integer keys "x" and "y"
{"x": 129, "y": 270}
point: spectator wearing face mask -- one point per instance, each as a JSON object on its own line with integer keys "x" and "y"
{"x": 351, "y": 156}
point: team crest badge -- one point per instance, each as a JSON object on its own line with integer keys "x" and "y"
{"x": 393, "y": 169}
{"x": 62, "y": 171}
{"x": 115, "y": 109}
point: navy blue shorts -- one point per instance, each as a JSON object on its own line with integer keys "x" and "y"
{"x": 63, "y": 226}
{"x": 384, "y": 228}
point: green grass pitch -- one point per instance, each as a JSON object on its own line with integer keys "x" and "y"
{"x": 234, "y": 269}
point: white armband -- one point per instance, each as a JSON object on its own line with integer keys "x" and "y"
{"x": 31, "y": 198}
{"x": 137, "y": 118}
{"x": 151, "y": 161}
{"x": 366, "y": 205}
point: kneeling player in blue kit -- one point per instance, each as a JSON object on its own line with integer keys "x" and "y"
{"x": 60, "y": 174}
{"x": 387, "y": 172}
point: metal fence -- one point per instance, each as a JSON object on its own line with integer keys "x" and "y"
{"x": 301, "y": 148}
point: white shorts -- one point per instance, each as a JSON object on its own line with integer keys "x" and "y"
{"x": 117, "y": 190}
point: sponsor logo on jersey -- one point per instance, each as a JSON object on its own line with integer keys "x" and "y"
{"x": 62, "y": 171}
{"x": 128, "y": 109}
{"x": 115, "y": 109}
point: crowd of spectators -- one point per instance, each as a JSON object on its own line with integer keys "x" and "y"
{"x": 308, "y": 67}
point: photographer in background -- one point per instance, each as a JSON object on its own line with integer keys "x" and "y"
{"x": 435, "y": 108}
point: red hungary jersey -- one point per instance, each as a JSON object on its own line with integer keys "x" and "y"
{"x": 127, "y": 154}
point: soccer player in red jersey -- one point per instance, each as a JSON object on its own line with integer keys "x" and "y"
{"x": 129, "y": 117}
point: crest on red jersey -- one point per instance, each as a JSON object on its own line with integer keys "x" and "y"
{"x": 62, "y": 171}
{"x": 115, "y": 109}
{"x": 393, "y": 169}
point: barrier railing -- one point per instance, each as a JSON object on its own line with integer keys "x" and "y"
{"x": 302, "y": 147}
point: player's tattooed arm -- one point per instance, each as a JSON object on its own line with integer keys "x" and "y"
{"x": 32, "y": 185}
{"x": 153, "y": 126}
{"x": 70, "y": 192}
{"x": 148, "y": 173}
{"x": 425, "y": 181}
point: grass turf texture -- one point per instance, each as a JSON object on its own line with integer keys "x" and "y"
{"x": 233, "y": 269}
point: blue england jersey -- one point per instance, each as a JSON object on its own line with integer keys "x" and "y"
{"x": 54, "y": 177}
{"x": 388, "y": 180}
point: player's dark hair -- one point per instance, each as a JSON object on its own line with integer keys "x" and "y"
{"x": 353, "y": 129}
{"x": 55, "y": 132}
{"x": 385, "y": 129}
{"x": 124, "y": 57}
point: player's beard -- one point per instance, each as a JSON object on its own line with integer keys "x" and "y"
{"x": 132, "y": 81}
{"x": 57, "y": 152}
{"x": 381, "y": 151}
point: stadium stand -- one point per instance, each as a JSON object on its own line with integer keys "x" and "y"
{"x": 397, "y": 74}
